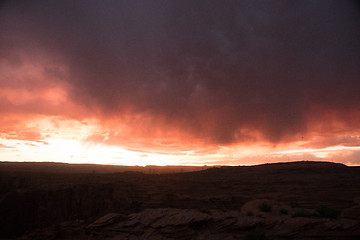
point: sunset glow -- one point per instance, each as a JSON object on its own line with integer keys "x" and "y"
{"x": 68, "y": 141}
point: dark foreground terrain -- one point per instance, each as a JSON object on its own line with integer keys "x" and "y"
{"x": 301, "y": 200}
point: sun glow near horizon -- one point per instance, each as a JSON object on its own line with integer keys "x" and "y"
{"x": 74, "y": 151}
{"x": 75, "y": 148}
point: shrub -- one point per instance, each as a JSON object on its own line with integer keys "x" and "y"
{"x": 327, "y": 212}
{"x": 302, "y": 213}
{"x": 265, "y": 207}
{"x": 284, "y": 211}
{"x": 256, "y": 234}
{"x": 59, "y": 232}
{"x": 294, "y": 204}
{"x": 249, "y": 213}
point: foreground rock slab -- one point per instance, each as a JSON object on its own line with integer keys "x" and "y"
{"x": 170, "y": 223}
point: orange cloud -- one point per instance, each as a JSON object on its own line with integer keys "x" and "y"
{"x": 4, "y": 146}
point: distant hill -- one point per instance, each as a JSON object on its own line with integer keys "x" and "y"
{"x": 53, "y": 167}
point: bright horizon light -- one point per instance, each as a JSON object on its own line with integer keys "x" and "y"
{"x": 77, "y": 151}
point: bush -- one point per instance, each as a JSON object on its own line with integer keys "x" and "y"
{"x": 294, "y": 204}
{"x": 284, "y": 211}
{"x": 302, "y": 213}
{"x": 59, "y": 232}
{"x": 327, "y": 212}
{"x": 265, "y": 207}
{"x": 256, "y": 234}
{"x": 249, "y": 214}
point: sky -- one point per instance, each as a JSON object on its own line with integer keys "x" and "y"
{"x": 157, "y": 82}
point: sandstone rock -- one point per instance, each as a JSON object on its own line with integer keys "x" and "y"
{"x": 171, "y": 223}
{"x": 293, "y": 226}
{"x": 147, "y": 216}
{"x": 341, "y": 224}
{"x": 175, "y": 217}
{"x": 273, "y": 222}
{"x": 108, "y": 219}
{"x": 163, "y": 217}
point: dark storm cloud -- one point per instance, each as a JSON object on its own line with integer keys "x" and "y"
{"x": 210, "y": 68}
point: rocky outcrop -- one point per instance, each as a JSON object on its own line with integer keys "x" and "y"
{"x": 169, "y": 223}
{"x": 173, "y": 223}
{"x": 158, "y": 218}
{"x": 108, "y": 219}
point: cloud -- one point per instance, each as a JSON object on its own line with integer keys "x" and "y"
{"x": 4, "y": 146}
{"x": 26, "y": 134}
{"x": 350, "y": 140}
{"x": 350, "y": 157}
{"x": 216, "y": 73}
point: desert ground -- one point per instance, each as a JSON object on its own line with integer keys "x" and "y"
{"x": 297, "y": 200}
